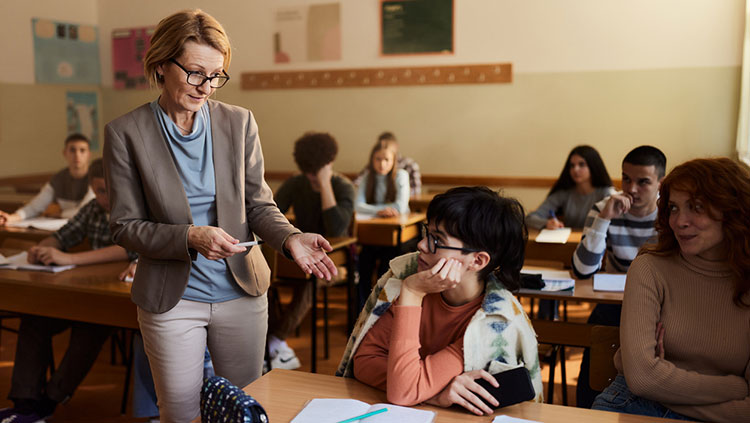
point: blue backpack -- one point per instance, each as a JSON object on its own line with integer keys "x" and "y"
{"x": 222, "y": 402}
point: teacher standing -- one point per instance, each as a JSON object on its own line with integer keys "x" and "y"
{"x": 185, "y": 175}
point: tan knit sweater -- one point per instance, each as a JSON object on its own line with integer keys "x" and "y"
{"x": 706, "y": 368}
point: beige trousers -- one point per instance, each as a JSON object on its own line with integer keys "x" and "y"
{"x": 175, "y": 342}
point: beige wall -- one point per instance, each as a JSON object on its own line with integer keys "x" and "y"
{"x": 608, "y": 73}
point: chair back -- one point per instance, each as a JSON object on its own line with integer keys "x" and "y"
{"x": 222, "y": 402}
{"x": 605, "y": 341}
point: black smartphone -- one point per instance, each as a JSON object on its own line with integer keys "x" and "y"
{"x": 515, "y": 386}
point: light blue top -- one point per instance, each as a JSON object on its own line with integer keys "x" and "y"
{"x": 402, "y": 194}
{"x": 210, "y": 280}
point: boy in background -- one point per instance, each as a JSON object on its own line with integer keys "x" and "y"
{"x": 323, "y": 202}
{"x": 69, "y": 188}
{"x": 34, "y": 397}
{"x": 617, "y": 227}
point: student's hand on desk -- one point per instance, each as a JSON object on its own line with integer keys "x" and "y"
{"x": 617, "y": 205}
{"x": 6, "y": 218}
{"x": 213, "y": 242}
{"x": 554, "y": 223}
{"x": 48, "y": 255}
{"x": 387, "y": 212}
{"x": 309, "y": 252}
{"x": 464, "y": 391}
{"x": 129, "y": 271}
{"x": 445, "y": 274}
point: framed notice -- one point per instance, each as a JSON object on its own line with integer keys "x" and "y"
{"x": 416, "y": 27}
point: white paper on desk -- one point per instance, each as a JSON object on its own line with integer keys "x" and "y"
{"x": 609, "y": 282}
{"x": 364, "y": 216}
{"x": 43, "y": 223}
{"x": 324, "y": 410}
{"x": 20, "y": 262}
{"x": 554, "y": 236}
{"x": 509, "y": 419}
{"x": 3, "y": 260}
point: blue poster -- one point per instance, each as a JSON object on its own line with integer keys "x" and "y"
{"x": 65, "y": 53}
{"x": 83, "y": 116}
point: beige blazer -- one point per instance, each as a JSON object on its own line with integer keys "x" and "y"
{"x": 150, "y": 211}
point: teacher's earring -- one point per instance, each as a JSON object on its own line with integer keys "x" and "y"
{"x": 160, "y": 77}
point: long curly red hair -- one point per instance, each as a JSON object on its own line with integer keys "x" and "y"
{"x": 724, "y": 185}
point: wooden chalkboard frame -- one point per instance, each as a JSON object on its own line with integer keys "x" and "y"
{"x": 396, "y": 47}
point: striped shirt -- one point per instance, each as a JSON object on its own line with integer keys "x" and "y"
{"x": 619, "y": 238}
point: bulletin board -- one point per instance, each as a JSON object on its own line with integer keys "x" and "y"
{"x": 416, "y": 27}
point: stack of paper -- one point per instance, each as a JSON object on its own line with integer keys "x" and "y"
{"x": 557, "y": 281}
{"x": 43, "y": 223}
{"x": 609, "y": 282}
{"x": 554, "y": 236}
{"x": 20, "y": 262}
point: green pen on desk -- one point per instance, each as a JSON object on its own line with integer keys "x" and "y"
{"x": 372, "y": 413}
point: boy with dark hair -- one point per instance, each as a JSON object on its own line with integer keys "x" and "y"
{"x": 323, "y": 202}
{"x": 444, "y": 316}
{"x": 68, "y": 188}
{"x": 617, "y": 227}
{"x": 33, "y": 396}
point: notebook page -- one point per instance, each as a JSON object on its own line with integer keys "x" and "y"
{"x": 554, "y": 236}
{"x": 330, "y": 410}
{"x": 400, "y": 414}
{"x": 609, "y": 282}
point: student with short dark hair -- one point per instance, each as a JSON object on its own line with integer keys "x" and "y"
{"x": 445, "y": 316}
{"x": 615, "y": 230}
{"x": 69, "y": 187}
{"x": 34, "y": 397}
{"x": 323, "y": 202}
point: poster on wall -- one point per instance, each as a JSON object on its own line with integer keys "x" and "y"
{"x": 307, "y": 33}
{"x": 129, "y": 47}
{"x": 65, "y": 53}
{"x": 416, "y": 27}
{"x": 83, "y": 115}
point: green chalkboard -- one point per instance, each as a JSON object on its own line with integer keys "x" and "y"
{"x": 416, "y": 26}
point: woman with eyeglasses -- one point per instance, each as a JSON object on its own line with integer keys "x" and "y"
{"x": 444, "y": 316}
{"x": 185, "y": 175}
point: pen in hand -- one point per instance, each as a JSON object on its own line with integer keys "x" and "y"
{"x": 250, "y": 243}
{"x": 372, "y": 413}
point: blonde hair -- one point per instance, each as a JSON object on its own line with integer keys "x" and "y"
{"x": 175, "y": 30}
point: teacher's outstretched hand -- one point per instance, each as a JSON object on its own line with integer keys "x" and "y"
{"x": 309, "y": 252}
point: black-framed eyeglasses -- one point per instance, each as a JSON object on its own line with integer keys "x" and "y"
{"x": 197, "y": 79}
{"x": 432, "y": 242}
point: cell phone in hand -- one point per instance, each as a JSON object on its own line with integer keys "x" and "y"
{"x": 515, "y": 386}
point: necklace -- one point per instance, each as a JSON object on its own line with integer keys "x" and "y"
{"x": 186, "y": 130}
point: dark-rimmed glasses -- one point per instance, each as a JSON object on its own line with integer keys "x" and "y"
{"x": 432, "y": 242}
{"x": 197, "y": 79}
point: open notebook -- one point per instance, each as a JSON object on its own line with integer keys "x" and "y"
{"x": 333, "y": 410}
{"x": 20, "y": 262}
{"x": 555, "y": 281}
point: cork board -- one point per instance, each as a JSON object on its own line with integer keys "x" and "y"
{"x": 379, "y": 77}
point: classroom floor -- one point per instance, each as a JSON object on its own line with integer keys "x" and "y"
{"x": 98, "y": 397}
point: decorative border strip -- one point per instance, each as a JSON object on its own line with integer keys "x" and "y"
{"x": 384, "y": 77}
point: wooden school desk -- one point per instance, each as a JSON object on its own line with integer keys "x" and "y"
{"x": 90, "y": 293}
{"x": 562, "y": 253}
{"x": 420, "y": 202}
{"x": 283, "y": 393}
{"x": 11, "y": 201}
{"x": 389, "y": 231}
{"x": 26, "y": 234}
{"x": 563, "y": 333}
